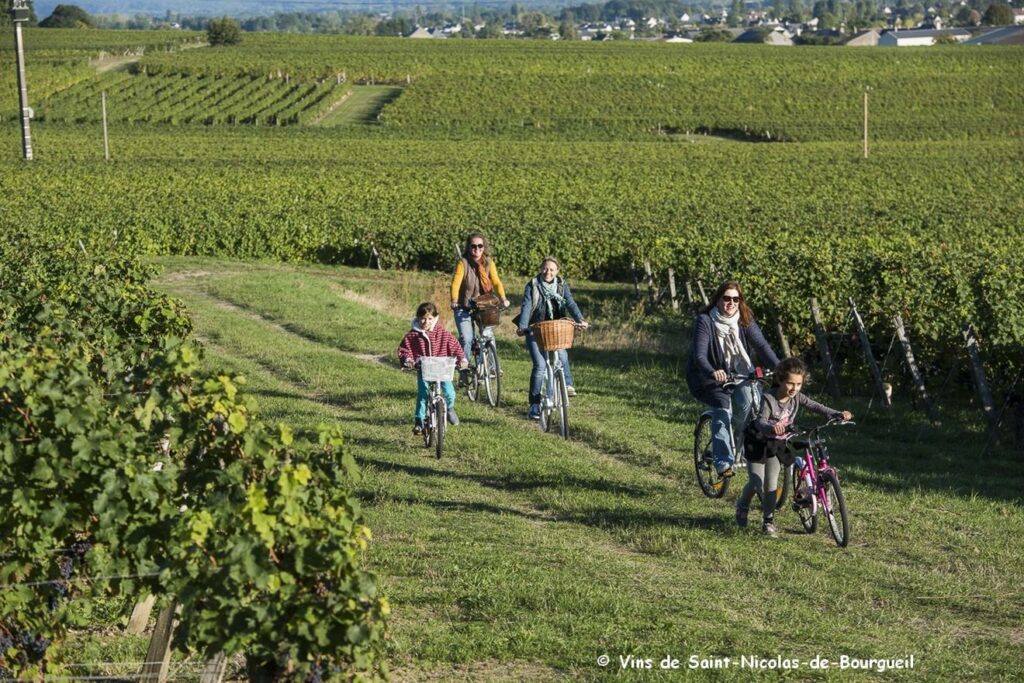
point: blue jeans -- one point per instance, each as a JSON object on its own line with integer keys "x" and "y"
{"x": 540, "y": 367}
{"x": 423, "y": 393}
{"x": 728, "y": 406}
{"x": 464, "y": 321}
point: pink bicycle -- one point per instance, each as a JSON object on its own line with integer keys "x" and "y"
{"x": 816, "y": 483}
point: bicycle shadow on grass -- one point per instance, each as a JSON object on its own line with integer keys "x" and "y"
{"x": 608, "y": 520}
{"x": 515, "y": 486}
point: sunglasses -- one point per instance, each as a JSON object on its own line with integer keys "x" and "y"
{"x": 728, "y": 299}
{"x": 476, "y": 246}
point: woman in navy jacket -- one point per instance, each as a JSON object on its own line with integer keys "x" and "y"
{"x": 726, "y": 341}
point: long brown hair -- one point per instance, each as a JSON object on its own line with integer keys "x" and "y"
{"x": 746, "y": 315}
{"x": 467, "y": 253}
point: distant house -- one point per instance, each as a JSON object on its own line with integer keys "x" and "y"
{"x": 678, "y": 38}
{"x": 1004, "y": 35}
{"x": 867, "y": 38}
{"x": 421, "y": 32}
{"x": 921, "y": 37}
{"x": 1018, "y": 15}
{"x": 776, "y": 37}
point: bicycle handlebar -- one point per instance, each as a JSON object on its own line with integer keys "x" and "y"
{"x": 812, "y": 432}
{"x": 736, "y": 380}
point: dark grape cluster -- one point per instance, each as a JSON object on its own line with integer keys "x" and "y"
{"x": 28, "y": 648}
{"x": 66, "y": 568}
{"x": 315, "y": 675}
{"x": 34, "y": 647}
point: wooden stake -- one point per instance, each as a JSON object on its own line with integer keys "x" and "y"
{"x": 652, "y": 296}
{"x": 978, "y": 371}
{"x": 876, "y": 374}
{"x": 636, "y": 280}
{"x": 140, "y": 615}
{"x": 158, "y": 657}
{"x": 831, "y": 383}
{"x": 865, "y": 124}
{"x": 915, "y": 373}
{"x": 783, "y": 342}
{"x": 703, "y": 294}
{"x": 672, "y": 289}
{"x": 106, "y": 140}
{"x": 213, "y": 670}
{"x": 689, "y": 293}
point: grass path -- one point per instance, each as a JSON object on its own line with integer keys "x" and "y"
{"x": 360, "y": 106}
{"x": 522, "y": 557}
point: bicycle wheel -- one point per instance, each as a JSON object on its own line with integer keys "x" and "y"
{"x": 562, "y": 408}
{"x": 808, "y": 513}
{"x": 711, "y": 484}
{"x": 473, "y": 378}
{"x": 428, "y": 429}
{"x": 492, "y": 375}
{"x": 545, "y": 401}
{"x": 784, "y": 488}
{"x": 838, "y": 519}
{"x": 441, "y": 422}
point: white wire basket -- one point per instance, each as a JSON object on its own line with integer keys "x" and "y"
{"x": 437, "y": 368}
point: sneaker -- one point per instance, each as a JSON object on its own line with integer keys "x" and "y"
{"x": 569, "y": 391}
{"x": 726, "y": 472}
{"x": 534, "y": 413}
{"x": 417, "y": 429}
{"x": 453, "y": 419}
{"x": 741, "y": 518}
{"x": 768, "y": 529}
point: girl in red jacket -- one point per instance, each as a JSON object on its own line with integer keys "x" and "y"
{"x": 429, "y": 338}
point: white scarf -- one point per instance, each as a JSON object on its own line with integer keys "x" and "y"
{"x": 727, "y": 332}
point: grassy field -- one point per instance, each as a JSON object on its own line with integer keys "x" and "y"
{"x": 522, "y": 557}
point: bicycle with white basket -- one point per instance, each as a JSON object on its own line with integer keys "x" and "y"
{"x": 434, "y": 370}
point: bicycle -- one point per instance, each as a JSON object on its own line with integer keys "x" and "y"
{"x": 712, "y": 484}
{"x": 434, "y": 370}
{"x": 553, "y": 336}
{"x": 484, "y": 367}
{"x": 820, "y": 483}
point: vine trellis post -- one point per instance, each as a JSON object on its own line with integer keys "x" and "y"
{"x": 978, "y": 372}
{"x": 865, "y": 342}
{"x": 831, "y": 382}
{"x": 672, "y": 290}
{"x": 783, "y": 342}
{"x": 158, "y": 656}
{"x": 915, "y": 373}
{"x": 703, "y": 294}
{"x": 652, "y": 295}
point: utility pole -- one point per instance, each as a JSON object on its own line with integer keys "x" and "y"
{"x": 19, "y": 15}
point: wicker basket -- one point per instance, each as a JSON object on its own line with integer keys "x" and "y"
{"x": 437, "y": 368}
{"x": 487, "y": 316}
{"x": 554, "y": 335}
